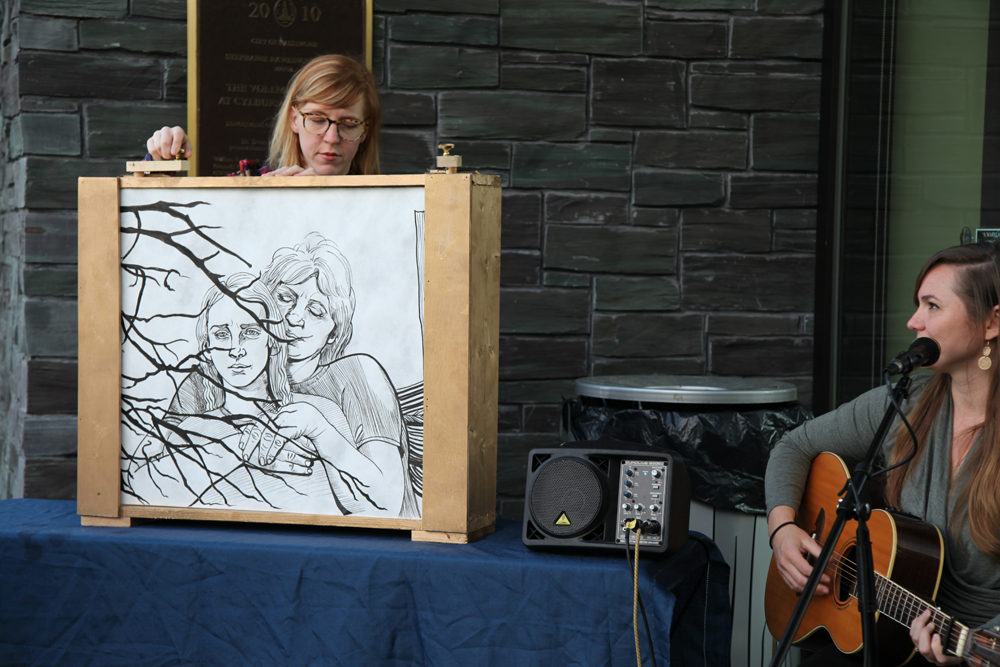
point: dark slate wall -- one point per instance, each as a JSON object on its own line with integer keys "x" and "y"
{"x": 658, "y": 159}
{"x": 85, "y": 81}
{"x": 12, "y": 351}
{"x": 659, "y": 162}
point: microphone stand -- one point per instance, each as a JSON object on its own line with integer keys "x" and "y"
{"x": 853, "y": 505}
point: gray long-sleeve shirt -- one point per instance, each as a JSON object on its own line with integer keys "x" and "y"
{"x": 970, "y": 582}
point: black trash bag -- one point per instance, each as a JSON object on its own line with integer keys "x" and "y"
{"x": 725, "y": 447}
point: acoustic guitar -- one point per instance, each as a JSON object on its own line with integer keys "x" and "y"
{"x": 908, "y": 556}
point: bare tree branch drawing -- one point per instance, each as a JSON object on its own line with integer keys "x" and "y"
{"x": 199, "y": 457}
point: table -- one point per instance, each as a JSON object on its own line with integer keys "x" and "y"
{"x": 205, "y": 593}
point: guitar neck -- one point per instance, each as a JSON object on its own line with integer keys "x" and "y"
{"x": 900, "y": 605}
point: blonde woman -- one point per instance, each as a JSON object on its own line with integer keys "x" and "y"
{"x": 327, "y": 125}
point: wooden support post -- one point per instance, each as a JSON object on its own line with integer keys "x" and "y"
{"x": 461, "y": 311}
{"x": 99, "y": 407}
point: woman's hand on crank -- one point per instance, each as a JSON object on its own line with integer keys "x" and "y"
{"x": 168, "y": 142}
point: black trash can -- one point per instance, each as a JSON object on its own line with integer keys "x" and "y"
{"x": 723, "y": 427}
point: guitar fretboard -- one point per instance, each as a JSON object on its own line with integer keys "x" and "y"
{"x": 902, "y": 606}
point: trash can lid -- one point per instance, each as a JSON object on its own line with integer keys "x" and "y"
{"x": 687, "y": 389}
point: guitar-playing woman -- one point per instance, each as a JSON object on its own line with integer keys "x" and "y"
{"x": 953, "y": 481}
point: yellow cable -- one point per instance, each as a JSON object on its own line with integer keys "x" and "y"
{"x": 635, "y": 599}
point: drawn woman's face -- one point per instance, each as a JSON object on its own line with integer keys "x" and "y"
{"x": 309, "y": 319}
{"x": 237, "y": 343}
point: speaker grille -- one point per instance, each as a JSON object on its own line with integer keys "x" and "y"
{"x": 566, "y": 497}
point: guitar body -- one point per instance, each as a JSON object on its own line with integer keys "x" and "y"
{"x": 908, "y": 552}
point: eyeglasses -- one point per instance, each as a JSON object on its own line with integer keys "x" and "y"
{"x": 349, "y": 129}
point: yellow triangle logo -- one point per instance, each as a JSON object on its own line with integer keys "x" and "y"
{"x": 563, "y": 520}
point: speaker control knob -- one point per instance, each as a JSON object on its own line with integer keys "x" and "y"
{"x": 639, "y": 507}
{"x": 628, "y": 482}
{"x": 628, "y": 472}
{"x": 626, "y": 507}
{"x": 654, "y": 508}
{"x": 627, "y": 493}
{"x": 656, "y": 473}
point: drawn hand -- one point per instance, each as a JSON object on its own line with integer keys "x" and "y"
{"x": 791, "y": 547}
{"x": 301, "y": 420}
{"x": 293, "y": 170}
{"x": 375, "y": 479}
{"x": 286, "y": 456}
{"x": 268, "y": 444}
{"x": 928, "y": 642}
{"x": 168, "y": 142}
{"x": 308, "y": 429}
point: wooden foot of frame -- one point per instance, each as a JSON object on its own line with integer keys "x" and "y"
{"x": 108, "y": 522}
{"x": 451, "y": 538}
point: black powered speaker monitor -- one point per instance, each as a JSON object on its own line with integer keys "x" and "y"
{"x": 581, "y": 494}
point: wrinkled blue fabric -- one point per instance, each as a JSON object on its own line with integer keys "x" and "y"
{"x": 202, "y": 593}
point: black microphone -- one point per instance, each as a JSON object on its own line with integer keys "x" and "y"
{"x": 923, "y": 352}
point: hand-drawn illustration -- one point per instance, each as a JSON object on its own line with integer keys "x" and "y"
{"x": 273, "y": 389}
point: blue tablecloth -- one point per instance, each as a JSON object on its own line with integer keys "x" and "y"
{"x": 202, "y": 593}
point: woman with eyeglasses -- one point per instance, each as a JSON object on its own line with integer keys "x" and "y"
{"x": 327, "y": 125}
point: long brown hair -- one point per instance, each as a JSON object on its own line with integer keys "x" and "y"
{"x": 336, "y": 81}
{"x": 977, "y": 284}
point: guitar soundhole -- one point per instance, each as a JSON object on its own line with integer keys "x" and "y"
{"x": 845, "y": 580}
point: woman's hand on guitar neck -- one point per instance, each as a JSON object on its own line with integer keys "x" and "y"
{"x": 792, "y": 546}
{"x": 928, "y": 642}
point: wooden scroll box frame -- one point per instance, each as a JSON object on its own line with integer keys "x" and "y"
{"x": 461, "y": 337}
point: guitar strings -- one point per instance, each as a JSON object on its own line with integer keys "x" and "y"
{"x": 889, "y": 594}
{"x": 988, "y": 653}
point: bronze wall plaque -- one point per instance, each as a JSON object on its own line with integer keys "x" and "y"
{"x": 240, "y": 57}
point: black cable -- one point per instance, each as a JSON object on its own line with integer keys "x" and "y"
{"x": 849, "y": 486}
{"x": 906, "y": 422}
{"x": 645, "y": 622}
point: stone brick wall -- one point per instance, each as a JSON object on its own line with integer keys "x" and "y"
{"x": 658, "y": 159}
{"x": 83, "y": 83}
{"x": 12, "y": 352}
